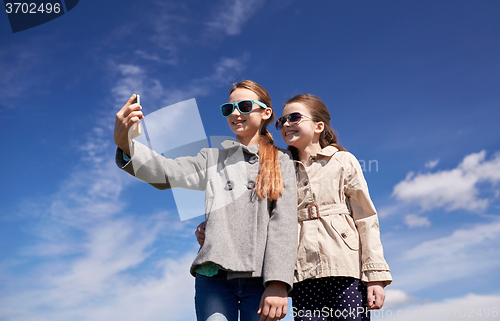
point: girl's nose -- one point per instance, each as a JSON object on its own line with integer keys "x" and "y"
{"x": 236, "y": 112}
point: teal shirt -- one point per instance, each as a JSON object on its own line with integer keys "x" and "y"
{"x": 207, "y": 269}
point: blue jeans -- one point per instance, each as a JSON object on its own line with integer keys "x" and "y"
{"x": 220, "y": 299}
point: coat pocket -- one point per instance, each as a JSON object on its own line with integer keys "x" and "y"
{"x": 344, "y": 225}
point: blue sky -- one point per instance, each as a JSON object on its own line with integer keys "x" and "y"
{"x": 412, "y": 88}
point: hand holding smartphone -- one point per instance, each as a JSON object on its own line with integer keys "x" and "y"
{"x": 136, "y": 128}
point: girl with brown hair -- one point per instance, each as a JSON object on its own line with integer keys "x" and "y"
{"x": 245, "y": 266}
{"x": 340, "y": 272}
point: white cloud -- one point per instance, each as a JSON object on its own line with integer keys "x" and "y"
{"x": 385, "y": 211}
{"x": 15, "y": 63}
{"x": 113, "y": 247}
{"x": 148, "y": 56}
{"x": 132, "y": 79}
{"x": 463, "y": 253}
{"x": 233, "y": 15}
{"x": 20, "y": 65}
{"x": 456, "y": 243}
{"x": 452, "y": 189}
{"x": 432, "y": 164}
{"x": 413, "y": 220}
{"x": 395, "y": 298}
{"x": 471, "y": 306}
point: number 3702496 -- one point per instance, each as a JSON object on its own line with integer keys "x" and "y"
{"x": 24, "y": 7}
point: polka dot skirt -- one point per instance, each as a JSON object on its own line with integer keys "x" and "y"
{"x": 330, "y": 298}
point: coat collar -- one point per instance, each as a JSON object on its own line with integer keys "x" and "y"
{"x": 328, "y": 151}
{"x": 228, "y": 144}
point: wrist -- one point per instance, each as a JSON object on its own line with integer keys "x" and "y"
{"x": 276, "y": 284}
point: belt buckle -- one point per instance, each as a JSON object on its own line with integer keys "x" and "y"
{"x": 309, "y": 208}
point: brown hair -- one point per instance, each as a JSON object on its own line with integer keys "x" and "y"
{"x": 319, "y": 112}
{"x": 269, "y": 182}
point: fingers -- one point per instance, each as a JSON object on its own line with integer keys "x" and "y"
{"x": 132, "y": 98}
{"x": 130, "y": 110}
{"x": 272, "y": 313}
{"x": 128, "y": 115}
{"x": 133, "y": 112}
{"x": 369, "y": 297}
{"x": 273, "y": 305}
{"x": 134, "y": 116}
{"x": 264, "y": 311}
{"x": 375, "y": 296}
{"x": 379, "y": 299}
{"x": 200, "y": 238}
{"x": 200, "y": 233}
{"x": 261, "y": 305}
{"x": 283, "y": 311}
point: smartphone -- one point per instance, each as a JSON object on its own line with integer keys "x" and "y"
{"x": 136, "y": 128}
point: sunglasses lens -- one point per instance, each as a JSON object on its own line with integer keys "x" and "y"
{"x": 227, "y": 109}
{"x": 294, "y": 117}
{"x": 280, "y": 122}
{"x": 245, "y": 106}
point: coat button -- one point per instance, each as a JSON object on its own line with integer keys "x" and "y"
{"x": 343, "y": 235}
{"x": 253, "y": 159}
{"x": 229, "y": 185}
{"x": 306, "y": 182}
{"x": 250, "y": 185}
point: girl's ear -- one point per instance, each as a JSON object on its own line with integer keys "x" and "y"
{"x": 267, "y": 113}
{"x": 320, "y": 126}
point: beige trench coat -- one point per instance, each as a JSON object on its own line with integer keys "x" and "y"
{"x": 338, "y": 224}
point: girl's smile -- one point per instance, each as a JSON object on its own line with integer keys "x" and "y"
{"x": 238, "y": 122}
{"x": 290, "y": 132}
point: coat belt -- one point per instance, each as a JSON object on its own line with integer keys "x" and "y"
{"x": 313, "y": 211}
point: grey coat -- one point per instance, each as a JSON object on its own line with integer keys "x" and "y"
{"x": 245, "y": 235}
